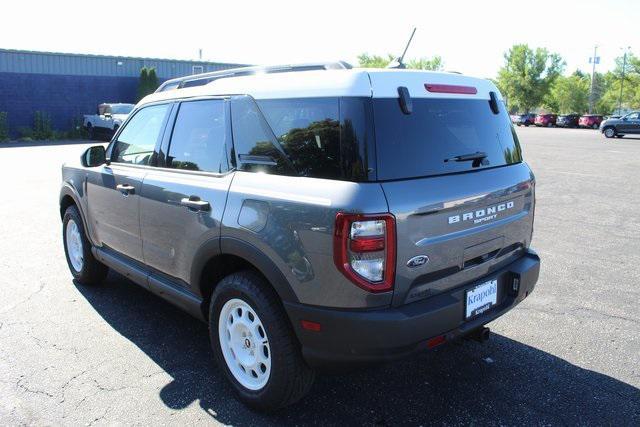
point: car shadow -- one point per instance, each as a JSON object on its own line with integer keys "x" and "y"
{"x": 499, "y": 382}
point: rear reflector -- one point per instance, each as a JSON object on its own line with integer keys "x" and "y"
{"x": 311, "y": 326}
{"x": 463, "y": 90}
{"x": 367, "y": 245}
{"x": 436, "y": 341}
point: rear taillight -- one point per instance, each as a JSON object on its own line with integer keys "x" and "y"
{"x": 364, "y": 249}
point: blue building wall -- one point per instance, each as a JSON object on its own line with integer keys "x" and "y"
{"x": 62, "y": 97}
{"x": 67, "y": 86}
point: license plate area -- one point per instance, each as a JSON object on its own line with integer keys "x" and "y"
{"x": 480, "y": 298}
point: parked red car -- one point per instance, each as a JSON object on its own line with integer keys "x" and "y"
{"x": 590, "y": 121}
{"x": 547, "y": 120}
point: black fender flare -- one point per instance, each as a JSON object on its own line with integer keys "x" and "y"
{"x": 248, "y": 252}
{"x": 68, "y": 190}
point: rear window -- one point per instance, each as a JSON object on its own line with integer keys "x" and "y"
{"x": 427, "y": 141}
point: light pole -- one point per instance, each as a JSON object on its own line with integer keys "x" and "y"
{"x": 624, "y": 65}
{"x": 594, "y": 61}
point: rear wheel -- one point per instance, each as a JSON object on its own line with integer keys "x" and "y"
{"x": 609, "y": 132}
{"x": 82, "y": 264}
{"x": 254, "y": 344}
{"x": 90, "y": 131}
{"x": 595, "y": 126}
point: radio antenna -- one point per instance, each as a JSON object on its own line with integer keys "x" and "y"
{"x": 398, "y": 62}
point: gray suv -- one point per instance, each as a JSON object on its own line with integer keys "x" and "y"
{"x": 621, "y": 126}
{"x": 312, "y": 217}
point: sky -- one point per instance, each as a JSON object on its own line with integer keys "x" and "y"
{"x": 470, "y": 36}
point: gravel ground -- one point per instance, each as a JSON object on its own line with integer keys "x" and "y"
{"x": 569, "y": 354}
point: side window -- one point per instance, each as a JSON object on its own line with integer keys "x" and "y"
{"x": 308, "y": 130}
{"x": 633, "y": 116}
{"x": 255, "y": 147}
{"x": 199, "y": 137}
{"x": 138, "y": 139}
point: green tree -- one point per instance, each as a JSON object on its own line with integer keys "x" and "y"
{"x": 433, "y": 64}
{"x": 148, "y": 82}
{"x": 376, "y": 61}
{"x": 569, "y": 94}
{"x": 527, "y": 76}
{"x": 152, "y": 80}
{"x": 611, "y": 82}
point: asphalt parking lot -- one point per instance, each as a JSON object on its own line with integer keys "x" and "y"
{"x": 570, "y": 354}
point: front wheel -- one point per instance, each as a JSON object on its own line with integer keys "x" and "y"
{"x": 254, "y": 343}
{"x": 609, "y": 132}
{"x": 82, "y": 264}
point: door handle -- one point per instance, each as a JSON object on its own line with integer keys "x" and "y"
{"x": 194, "y": 203}
{"x": 126, "y": 189}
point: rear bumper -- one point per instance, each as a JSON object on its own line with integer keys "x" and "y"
{"x": 389, "y": 333}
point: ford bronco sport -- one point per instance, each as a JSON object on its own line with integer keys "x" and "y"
{"x": 312, "y": 217}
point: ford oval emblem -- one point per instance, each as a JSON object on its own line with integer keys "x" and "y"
{"x": 417, "y": 261}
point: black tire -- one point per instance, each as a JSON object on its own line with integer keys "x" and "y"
{"x": 595, "y": 126}
{"x": 91, "y": 134}
{"x": 290, "y": 377}
{"x": 93, "y": 272}
{"x": 609, "y": 132}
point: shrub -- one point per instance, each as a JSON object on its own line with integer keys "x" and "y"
{"x": 4, "y": 127}
{"x": 148, "y": 82}
{"x": 42, "y": 126}
{"x": 25, "y": 133}
{"x": 77, "y": 130}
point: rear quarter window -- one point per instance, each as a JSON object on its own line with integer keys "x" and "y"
{"x": 323, "y": 137}
{"x": 419, "y": 144}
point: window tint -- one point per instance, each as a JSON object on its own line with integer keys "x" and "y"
{"x": 138, "y": 139}
{"x": 308, "y": 130}
{"x": 418, "y": 144}
{"x": 199, "y": 137}
{"x": 256, "y": 148}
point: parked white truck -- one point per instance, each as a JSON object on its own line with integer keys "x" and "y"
{"x": 109, "y": 118}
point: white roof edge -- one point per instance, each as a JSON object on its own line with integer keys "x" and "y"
{"x": 357, "y": 82}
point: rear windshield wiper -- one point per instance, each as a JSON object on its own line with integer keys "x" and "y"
{"x": 478, "y": 158}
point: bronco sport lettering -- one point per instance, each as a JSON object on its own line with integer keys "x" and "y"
{"x": 482, "y": 215}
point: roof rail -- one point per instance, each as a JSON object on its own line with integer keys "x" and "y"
{"x": 204, "y": 78}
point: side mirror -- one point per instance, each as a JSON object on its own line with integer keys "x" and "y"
{"x": 93, "y": 156}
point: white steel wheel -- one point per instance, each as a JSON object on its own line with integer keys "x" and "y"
{"x": 244, "y": 344}
{"x": 74, "y": 245}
